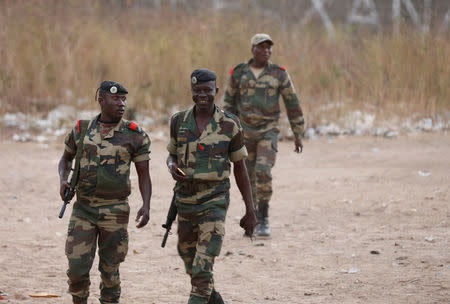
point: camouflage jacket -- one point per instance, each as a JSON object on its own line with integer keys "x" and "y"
{"x": 105, "y": 163}
{"x": 205, "y": 157}
{"x": 256, "y": 101}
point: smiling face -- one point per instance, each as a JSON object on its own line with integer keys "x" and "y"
{"x": 203, "y": 95}
{"x": 112, "y": 106}
{"x": 262, "y": 52}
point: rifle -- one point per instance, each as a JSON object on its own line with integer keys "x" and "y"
{"x": 68, "y": 194}
{"x": 171, "y": 215}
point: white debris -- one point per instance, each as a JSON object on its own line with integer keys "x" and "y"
{"x": 391, "y": 134}
{"x": 27, "y": 220}
{"x": 424, "y": 173}
{"x": 425, "y": 124}
{"x": 352, "y": 270}
{"x": 429, "y": 239}
{"x": 310, "y": 133}
{"x": 59, "y": 132}
{"x": 358, "y": 121}
{"x": 41, "y": 139}
{"x": 22, "y": 138}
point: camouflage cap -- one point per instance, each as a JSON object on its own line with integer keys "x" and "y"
{"x": 112, "y": 87}
{"x": 261, "y": 37}
{"x": 202, "y": 75}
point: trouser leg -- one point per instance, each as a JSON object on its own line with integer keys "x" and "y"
{"x": 113, "y": 247}
{"x": 265, "y": 160}
{"x": 200, "y": 241}
{"x": 187, "y": 241}
{"x": 250, "y": 163}
{"x": 80, "y": 252}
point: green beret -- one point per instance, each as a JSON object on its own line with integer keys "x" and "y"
{"x": 112, "y": 87}
{"x": 202, "y": 75}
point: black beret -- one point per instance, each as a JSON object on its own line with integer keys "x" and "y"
{"x": 202, "y": 75}
{"x": 112, "y": 87}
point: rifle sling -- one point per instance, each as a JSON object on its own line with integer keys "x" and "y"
{"x": 76, "y": 170}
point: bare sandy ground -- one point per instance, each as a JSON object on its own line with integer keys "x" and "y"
{"x": 342, "y": 199}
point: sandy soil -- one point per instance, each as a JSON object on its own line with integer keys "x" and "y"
{"x": 342, "y": 199}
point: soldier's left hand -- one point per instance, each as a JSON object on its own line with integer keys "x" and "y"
{"x": 142, "y": 217}
{"x": 298, "y": 145}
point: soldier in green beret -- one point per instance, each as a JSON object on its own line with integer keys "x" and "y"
{"x": 101, "y": 212}
{"x": 203, "y": 141}
{"x": 253, "y": 95}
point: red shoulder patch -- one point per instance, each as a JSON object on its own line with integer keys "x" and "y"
{"x": 78, "y": 126}
{"x": 283, "y": 68}
{"x": 201, "y": 147}
{"x": 133, "y": 126}
{"x": 231, "y": 71}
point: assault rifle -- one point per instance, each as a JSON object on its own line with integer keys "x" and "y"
{"x": 68, "y": 194}
{"x": 171, "y": 215}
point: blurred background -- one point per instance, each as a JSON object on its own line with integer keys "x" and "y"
{"x": 359, "y": 66}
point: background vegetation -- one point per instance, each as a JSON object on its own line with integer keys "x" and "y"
{"x": 54, "y": 52}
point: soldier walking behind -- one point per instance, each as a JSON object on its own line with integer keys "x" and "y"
{"x": 253, "y": 95}
{"x": 203, "y": 141}
{"x": 101, "y": 211}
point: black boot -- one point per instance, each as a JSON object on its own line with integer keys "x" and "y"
{"x": 78, "y": 300}
{"x": 215, "y": 298}
{"x": 262, "y": 228}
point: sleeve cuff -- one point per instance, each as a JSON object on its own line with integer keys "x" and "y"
{"x": 239, "y": 154}
{"x": 70, "y": 150}
{"x": 141, "y": 157}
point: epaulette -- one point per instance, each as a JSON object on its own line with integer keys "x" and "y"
{"x": 276, "y": 66}
{"x": 238, "y": 67}
{"x": 82, "y": 124}
{"x": 231, "y": 116}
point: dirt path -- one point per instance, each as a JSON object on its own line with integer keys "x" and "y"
{"x": 333, "y": 205}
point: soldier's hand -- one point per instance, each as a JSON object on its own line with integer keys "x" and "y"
{"x": 248, "y": 223}
{"x": 298, "y": 145}
{"x": 142, "y": 217}
{"x": 176, "y": 173}
{"x": 62, "y": 188}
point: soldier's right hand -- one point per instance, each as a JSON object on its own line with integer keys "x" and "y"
{"x": 62, "y": 188}
{"x": 248, "y": 223}
{"x": 176, "y": 173}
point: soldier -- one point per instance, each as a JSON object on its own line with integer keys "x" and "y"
{"x": 101, "y": 210}
{"x": 253, "y": 95}
{"x": 203, "y": 141}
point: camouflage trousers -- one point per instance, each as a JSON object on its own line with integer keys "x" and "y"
{"x": 88, "y": 225}
{"x": 262, "y": 150}
{"x": 200, "y": 239}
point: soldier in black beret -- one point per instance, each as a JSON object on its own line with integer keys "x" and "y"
{"x": 204, "y": 141}
{"x": 104, "y": 149}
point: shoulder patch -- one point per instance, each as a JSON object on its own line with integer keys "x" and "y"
{"x": 231, "y": 71}
{"x": 133, "y": 126}
{"x": 78, "y": 126}
{"x": 283, "y": 68}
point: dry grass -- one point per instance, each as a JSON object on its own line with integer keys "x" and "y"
{"x": 56, "y": 52}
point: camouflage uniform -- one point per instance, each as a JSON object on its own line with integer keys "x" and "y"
{"x": 256, "y": 103}
{"x": 202, "y": 202}
{"x": 101, "y": 209}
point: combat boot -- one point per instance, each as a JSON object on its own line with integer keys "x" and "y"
{"x": 215, "y": 298}
{"x": 262, "y": 228}
{"x": 78, "y": 300}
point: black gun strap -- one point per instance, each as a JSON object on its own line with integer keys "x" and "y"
{"x": 76, "y": 170}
